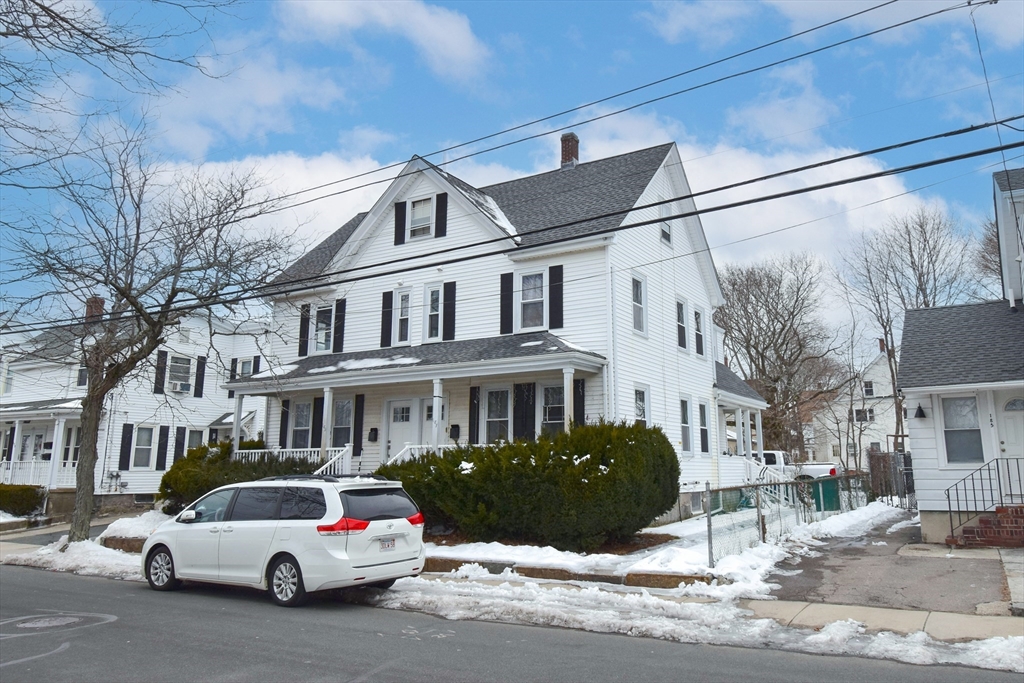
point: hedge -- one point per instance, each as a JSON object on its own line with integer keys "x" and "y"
{"x": 19, "y": 500}
{"x": 204, "y": 468}
{"x": 597, "y": 483}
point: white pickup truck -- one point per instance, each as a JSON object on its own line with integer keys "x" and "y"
{"x": 783, "y": 462}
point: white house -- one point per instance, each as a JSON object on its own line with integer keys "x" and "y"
{"x": 174, "y": 402}
{"x": 449, "y": 314}
{"x": 962, "y": 375}
{"x": 859, "y": 419}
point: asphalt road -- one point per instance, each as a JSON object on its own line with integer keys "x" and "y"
{"x": 60, "y": 627}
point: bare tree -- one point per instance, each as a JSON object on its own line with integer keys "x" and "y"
{"x": 987, "y": 262}
{"x": 920, "y": 259}
{"x": 155, "y": 245}
{"x": 50, "y": 49}
{"x": 774, "y": 334}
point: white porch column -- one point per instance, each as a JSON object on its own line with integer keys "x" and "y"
{"x": 747, "y": 439}
{"x": 55, "y": 452}
{"x": 328, "y": 421}
{"x": 741, "y": 435}
{"x": 568, "y": 398}
{"x": 236, "y": 429}
{"x": 760, "y": 436}
{"x": 16, "y": 444}
{"x": 435, "y": 425}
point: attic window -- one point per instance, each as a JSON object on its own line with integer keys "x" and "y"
{"x": 419, "y": 218}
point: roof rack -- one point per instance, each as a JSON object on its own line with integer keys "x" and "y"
{"x": 301, "y": 477}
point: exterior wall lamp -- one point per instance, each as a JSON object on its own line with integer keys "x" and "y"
{"x": 919, "y": 413}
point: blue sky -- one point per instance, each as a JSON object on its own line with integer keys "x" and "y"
{"x": 311, "y": 92}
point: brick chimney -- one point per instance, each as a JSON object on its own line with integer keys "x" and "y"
{"x": 881, "y": 344}
{"x": 570, "y": 150}
{"x": 94, "y": 309}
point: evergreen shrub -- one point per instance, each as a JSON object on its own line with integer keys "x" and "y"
{"x": 204, "y": 468}
{"x": 574, "y": 491}
{"x": 20, "y": 500}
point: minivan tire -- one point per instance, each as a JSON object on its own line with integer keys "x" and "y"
{"x": 284, "y": 582}
{"x": 160, "y": 570}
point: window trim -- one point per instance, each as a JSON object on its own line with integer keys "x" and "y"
{"x": 685, "y": 348}
{"x": 82, "y": 376}
{"x": 396, "y": 317}
{"x": 314, "y": 315}
{"x": 409, "y": 237}
{"x": 686, "y": 445}
{"x": 336, "y": 399}
{"x": 700, "y": 350}
{"x": 540, "y": 405}
{"x": 940, "y": 426}
{"x": 293, "y": 427}
{"x": 241, "y": 367}
{"x": 706, "y": 427}
{"x": 637, "y": 388}
{"x": 869, "y": 389}
{"x": 428, "y": 289}
{"x": 644, "y": 305}
{"x": 152, "y": 448}
{"x": 518, "y": 299}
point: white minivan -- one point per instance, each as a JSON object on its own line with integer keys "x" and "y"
{"x": 291, "y": 535}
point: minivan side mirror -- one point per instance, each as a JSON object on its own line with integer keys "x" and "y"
{"x": 187, "y": 516}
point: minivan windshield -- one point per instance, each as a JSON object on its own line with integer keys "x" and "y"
{"x": 374, "y": 504}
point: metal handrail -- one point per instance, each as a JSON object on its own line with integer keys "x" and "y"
{"x": 976, "y": 493}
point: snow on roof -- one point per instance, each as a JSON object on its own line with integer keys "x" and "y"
{"x": 274, "y": 372}
{"x": 364, "y": 363}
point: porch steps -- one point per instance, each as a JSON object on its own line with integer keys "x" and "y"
{"x": 1004, "y": 530}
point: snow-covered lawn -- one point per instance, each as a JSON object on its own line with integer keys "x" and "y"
{"x": 8, "y": 517}
{"x": 87, "y": 558}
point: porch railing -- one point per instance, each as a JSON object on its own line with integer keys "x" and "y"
{"x": 340, "y": 463}
{"x": 998, "y": 482}
{"x": 411, "y": 452}
{"x": 36, "y": 472}
{"x": 307, "y": 454}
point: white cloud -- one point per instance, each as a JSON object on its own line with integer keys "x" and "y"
{"x": 364, "y": 139}
{"x": 709, "y": 23}
{"x": 254, "y": 98}
{"x": 443, "y": 37}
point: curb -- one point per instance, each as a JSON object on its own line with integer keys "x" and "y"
{"x": 443, "y": 565}
{"x": 22, "y": 524}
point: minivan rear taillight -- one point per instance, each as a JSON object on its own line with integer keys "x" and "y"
{"x": 343, "y": 527}
{"x": 832, "y": 472}
{"x": 416, "y": 520}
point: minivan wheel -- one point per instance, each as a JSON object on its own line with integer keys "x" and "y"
{"x": 285, "y": 582}
{"x": 160, "y": 570}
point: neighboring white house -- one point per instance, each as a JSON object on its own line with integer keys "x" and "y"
{"x": 962, "y": 375}
{"x": 391, "y": 344}
{"x": 175, "y": 402}
{"x": 861, "y": 418}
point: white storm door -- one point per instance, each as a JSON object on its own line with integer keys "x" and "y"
{"x": 1011, "y": 429}
{"x": 403, "y": 429}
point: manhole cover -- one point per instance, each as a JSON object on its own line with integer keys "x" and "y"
{"x": 48, "y": 622}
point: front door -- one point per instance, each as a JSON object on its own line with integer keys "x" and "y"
{"x": 403, "y": 430}
{"x": 1011, "y": 429}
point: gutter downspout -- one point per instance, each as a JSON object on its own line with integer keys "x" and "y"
{"x": 611, "y": 381}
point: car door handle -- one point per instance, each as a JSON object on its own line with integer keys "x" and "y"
{"x": 227, "y": 530}
{"x": 213, "y": 531}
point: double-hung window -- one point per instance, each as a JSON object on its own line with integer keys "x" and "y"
{"x": 962, "y": 430}
{"x": 553, "y": 417}
{"x": 195, "y": 438}
{"x": 698, "y": 333}
{"x": 433, "y": 312}
{"x": 303, "y": 421}
{"x": 245, "y": 368}
{"x": 420, "y": 218}
{"x": 640, "y": 405}
{"x": 869, "y": 388}
{"x": 143, "y": 456}
{"x": 864, "y": 415}
{"x": 664, "y": 211}
{"x": 684, "y": 421}
{"x": 681, "y": 324}
{"x": 341, "y": 428}
{"x": 705, "y": 437}
{"x": 497, "y": 415}
{"x": 639, "y": 305}
{"x": 322, "y": 332}
{"x": 402, "y": 307}
{"x": 180, "y": 371}
{"x": 83, "y": 376}
{"x": 532, "y": 301}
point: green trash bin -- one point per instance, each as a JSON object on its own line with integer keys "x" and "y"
{"x": 826, "y": 494}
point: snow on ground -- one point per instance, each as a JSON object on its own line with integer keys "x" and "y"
{"x": 913, "y": 521}
{"x": 87, "y": 558}
{"x": 8, "y": 517}
{"x": 849, "y": 524}
{"x": 135, "y": 527}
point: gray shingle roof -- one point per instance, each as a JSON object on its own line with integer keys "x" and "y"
{"x": 729, "y": 381}
{"x": 12, "y": 408}
{"x": 1010, "y": 179}
{"x": 530, "y": 345}
{"x": 537, "y": 201}
{"x": 967, "y": 344}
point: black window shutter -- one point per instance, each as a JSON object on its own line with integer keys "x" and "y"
{"x": 441, "y": 215}
{"x": 579, "y": 401}
{"x": 304, "y": 330}
{"x": 200, "y": 376}
{"x": 255, "y": 364}
{"x": 506, "y": 303}
{"x": 179, "y": 444}
{"x": 233, "y": 374}
{"x": 448, "y": 324}
{"x": 474, "y": 415}
{"x": 357, "y": 426}
{"x": 282, "y": 437}
{"x": 387, "y": 302}
{"x": 555, "y": 297}
{"x": 161, "y": 447}
{"x": 318, "y": 422}
{"x": 124, "y": 461}
{"x": 399, "y": 223}
{"x": 161, "y": 372}
{"x": 339, "y": 326}
{"x": 524, "y": 411}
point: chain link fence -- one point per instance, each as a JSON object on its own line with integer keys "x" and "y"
{"x": 740, "y": 517}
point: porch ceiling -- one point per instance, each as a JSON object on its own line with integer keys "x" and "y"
{"x": 508, "y": 354}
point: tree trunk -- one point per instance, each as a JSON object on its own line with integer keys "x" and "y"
{"x": 85, "y": 475}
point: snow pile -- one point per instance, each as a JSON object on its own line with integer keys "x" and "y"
{"x": 87, "y": 558}
{"x": 849, "y": 524}
{"x": 135, "y": 527}
{"x": 8, "y": 517}
{"x": 913, "y": 521}
{"x": 531, "y": 555}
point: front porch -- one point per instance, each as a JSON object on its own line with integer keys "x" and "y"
{"x": 41, "y": 443}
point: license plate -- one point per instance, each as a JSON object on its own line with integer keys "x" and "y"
{"x": 387, "y": 544}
